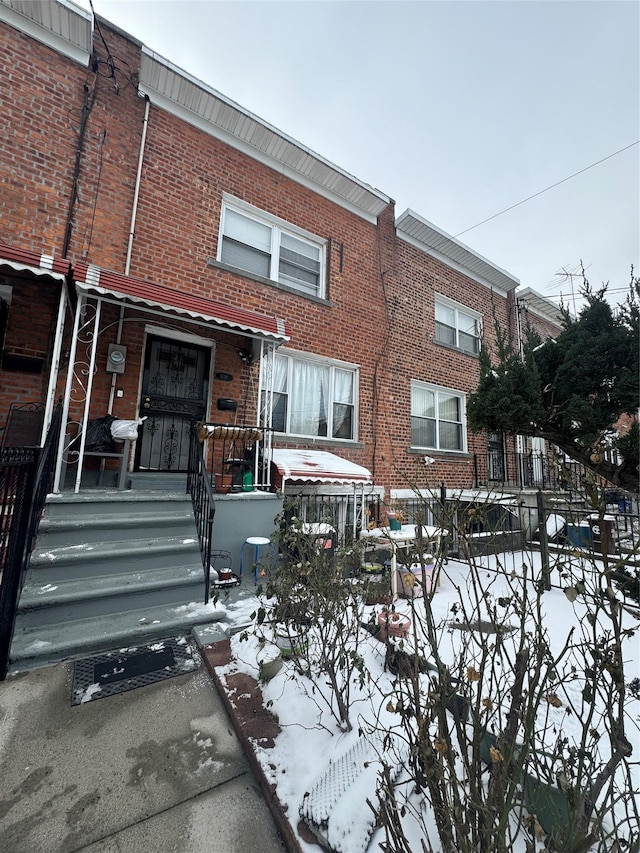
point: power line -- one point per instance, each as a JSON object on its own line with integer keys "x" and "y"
{"x": 546, "y": 189}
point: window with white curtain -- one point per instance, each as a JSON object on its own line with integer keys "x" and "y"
{"x": 457, "y": 326}
{"x": 313, "y": 397}
{"x": 438, "y": 419}
{"x": 262, "y": 245}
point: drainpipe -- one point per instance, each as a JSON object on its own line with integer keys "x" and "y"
{"x": 134, "y": 212}
{"x": 136, "y": 193}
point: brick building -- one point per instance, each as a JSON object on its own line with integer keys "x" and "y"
{"x": 241, "y": 278}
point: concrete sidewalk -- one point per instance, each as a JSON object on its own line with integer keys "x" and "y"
{"x": 158, "y": 769}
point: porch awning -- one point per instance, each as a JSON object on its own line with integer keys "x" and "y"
{"x": 136, "y": 291}
{"x": 21, "y": 260}
{"x": 318, "y": 466}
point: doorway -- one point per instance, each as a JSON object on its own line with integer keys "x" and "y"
{"x": 175, "y": 388}
{"x": 497, "y": 472}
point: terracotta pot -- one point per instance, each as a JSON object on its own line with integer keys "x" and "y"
{"x": 393, "y": 624}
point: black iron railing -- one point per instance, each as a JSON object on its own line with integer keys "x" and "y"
{"x": 530, "y": 470}
{"x": 26, "y": 477}
{"x": 199, "y": 487}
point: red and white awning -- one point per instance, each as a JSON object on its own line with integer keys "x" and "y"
{"x": 136, "y": 291}
{"x": 20, "y": 260}
{"x": 318, "y": 466}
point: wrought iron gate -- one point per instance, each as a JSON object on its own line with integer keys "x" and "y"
{"x": 174, "y": 394}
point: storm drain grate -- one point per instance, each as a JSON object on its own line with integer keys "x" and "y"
{"x": 120, "y": 670}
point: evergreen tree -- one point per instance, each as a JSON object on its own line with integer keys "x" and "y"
{"x": 572, "y": 390}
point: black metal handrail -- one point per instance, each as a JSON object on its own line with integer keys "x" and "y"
{"x": 45, "y": 473}
{"x": 26, "y": 476}
{"x": 199, "y": 487}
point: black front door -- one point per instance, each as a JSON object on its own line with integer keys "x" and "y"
{"x": 174, "y": 393}
{"x": 496, "y": 457}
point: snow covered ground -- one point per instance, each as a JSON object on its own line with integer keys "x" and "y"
{"x": 310, "y": 741}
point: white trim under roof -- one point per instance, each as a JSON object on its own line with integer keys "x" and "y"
{"x": 177, "y": 92}
{"x": 541, "y": 306}
{"x": 61, "y": 25}
{"x": 427, "y": 237}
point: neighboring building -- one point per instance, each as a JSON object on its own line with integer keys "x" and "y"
{"x": 166, "y": 254}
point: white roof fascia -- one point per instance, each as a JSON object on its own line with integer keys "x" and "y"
{"x": 177, "y": 92}
{"x": 427, "y": 237}
{"x": 61, "y": 25}
{"x": 540, "y": 305}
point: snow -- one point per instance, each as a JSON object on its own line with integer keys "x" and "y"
{"x": 310, "y": 743}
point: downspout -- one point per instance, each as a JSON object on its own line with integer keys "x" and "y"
{"x": 136, "y": 193}
{"x": 132, "y": 227}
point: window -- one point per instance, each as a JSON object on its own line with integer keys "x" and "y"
{"x": 457, "y": 326}
{"x": 259, "y": 244}
{"x": 313, "y": 397}
{"x": 437, "y": 418}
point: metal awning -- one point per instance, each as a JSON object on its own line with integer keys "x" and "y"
{"x": 135, "y": 291}
{"x": 21, "y": 260}
{"x": 318, "y": 466}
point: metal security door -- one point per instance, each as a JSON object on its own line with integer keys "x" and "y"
{"x": 174, "y": 394}
{"x": 497, "y": 472}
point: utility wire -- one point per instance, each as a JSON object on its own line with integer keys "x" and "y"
{"x": 546, "y": 189}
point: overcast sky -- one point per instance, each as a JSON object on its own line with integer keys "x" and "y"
{"x": 456, "y": 109}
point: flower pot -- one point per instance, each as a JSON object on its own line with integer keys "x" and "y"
{"x": 291, "y": 643}
{"x": 394, "y": 521}
{"x": 393, "y": 624}
{"x": 548, "y": 803}
{"x": 269, "y": 661}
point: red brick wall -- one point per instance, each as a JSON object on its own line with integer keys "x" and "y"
{"x": 416, "y": 355}
{"x": 380, "y": 312}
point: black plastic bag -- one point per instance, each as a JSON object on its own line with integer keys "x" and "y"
{"x": 99, "y": 438}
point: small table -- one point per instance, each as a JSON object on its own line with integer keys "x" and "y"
{"x": 384, "y": 537}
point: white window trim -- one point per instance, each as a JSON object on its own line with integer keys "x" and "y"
{"x": 277, "y": 226}
{"x": 457, "y": 306}
{"x": 332, "y": 363}
{"x": 440, "y": 389}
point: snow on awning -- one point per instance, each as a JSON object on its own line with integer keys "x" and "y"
{"x": 136, "y": 291}
{"x": 317, "y": 466}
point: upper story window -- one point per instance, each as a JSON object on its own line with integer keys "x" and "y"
{"x": 457, "y": 326}
{"x": 314, "y": 397}
{"x": 438, "y": 417}
{"x": 263, "y": 245}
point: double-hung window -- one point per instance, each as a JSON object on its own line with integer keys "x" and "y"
{"x": 313, "y": 397}
{"x": 252, "y": 240}
{"x": 457, "y": 326}
{"x": 437, "y": 418}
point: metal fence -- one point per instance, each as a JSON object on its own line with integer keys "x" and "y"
{"x": 531, "y": 470}
{"x": 26, "y": 477}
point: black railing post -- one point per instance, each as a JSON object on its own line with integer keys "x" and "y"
{"x": 199, "y": 486}
{"x": 17, "y": 480}
{"x": 544, "y": 542}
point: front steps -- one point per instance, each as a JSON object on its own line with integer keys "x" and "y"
{"x": 110, "y": 570}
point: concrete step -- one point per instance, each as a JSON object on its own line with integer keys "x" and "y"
{"x": 152, "y": 480}
{"x": 93, "y": 559}
{"x": 35, "y": 647}
{"x": 67, "y": 505}
{"x": 58, "y": 531}
{"x": 68, "y": 600}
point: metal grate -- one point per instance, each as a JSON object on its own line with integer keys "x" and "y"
{"x": 125, "y": 669}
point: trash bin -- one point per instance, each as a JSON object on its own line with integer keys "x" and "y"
{"x": 624, "y": 505}
{"x": 602, "y": 533}
{"x": 579, "y": 535}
